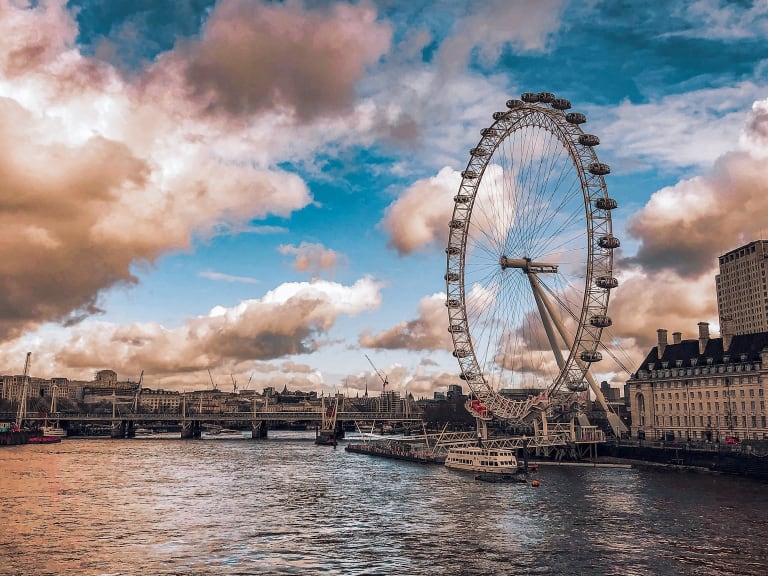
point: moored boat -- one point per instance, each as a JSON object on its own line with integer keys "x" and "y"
{"x": 56, "y": 431}
{"x": 326, "y": 438}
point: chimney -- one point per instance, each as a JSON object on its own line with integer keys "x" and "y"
{"x": 677, "y": 337}
{"x": 727, "y": 333}
{"x": 662, "y": 341}
{"x": 703, "y": 336}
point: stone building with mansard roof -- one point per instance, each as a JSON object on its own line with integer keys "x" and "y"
{"x": 701, "y": 389}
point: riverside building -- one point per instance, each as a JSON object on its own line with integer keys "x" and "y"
{"x": 701, "y": 389}
{"x": 742, "y": 289}
{"x": 711, "y": 388}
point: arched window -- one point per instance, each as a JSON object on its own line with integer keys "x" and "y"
{"x": 640, "y": 403}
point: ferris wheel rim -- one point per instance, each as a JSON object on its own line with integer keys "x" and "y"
{"x": 598, "y": 278}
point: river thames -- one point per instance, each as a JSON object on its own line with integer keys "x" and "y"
{"x": 286, "y": 506}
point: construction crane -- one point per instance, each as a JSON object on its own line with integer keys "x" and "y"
{"x": 382, "y": 377}
{"x": 212, "y": 382}
{"x": 137, "y": 396}
{"x": 23, "y": 400}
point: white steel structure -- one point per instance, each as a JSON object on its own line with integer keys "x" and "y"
{"x": 529, "y": 259}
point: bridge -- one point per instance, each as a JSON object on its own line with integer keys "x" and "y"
{"x": 123, "y": 424}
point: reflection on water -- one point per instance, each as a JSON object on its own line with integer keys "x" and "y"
{"x": 286, "y": 506}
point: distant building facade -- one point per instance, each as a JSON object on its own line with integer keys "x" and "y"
{"x": 701, "y": 389}
{"x": 742, "y": 289}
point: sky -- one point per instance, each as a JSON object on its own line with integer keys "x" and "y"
{"x": 262, "y": 189}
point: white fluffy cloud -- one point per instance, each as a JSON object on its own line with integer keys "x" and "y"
{"x": 286, "y": 321}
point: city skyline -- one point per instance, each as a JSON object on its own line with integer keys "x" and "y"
{"x": 264, "y": 189}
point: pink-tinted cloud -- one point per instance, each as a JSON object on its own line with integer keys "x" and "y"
{"x": 285, "y": 321}
{"x": 427, "y": 332}
{"x": 313, "y": 258}
{"x": 99, "y": 174}
{"x": 685, "y": 227}
{"x": 420, "y": 216}
{"x": 255, "y": 56}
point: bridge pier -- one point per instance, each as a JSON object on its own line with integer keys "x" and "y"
{"x": 258, "y": 429}
{"x": 190, "y": 430}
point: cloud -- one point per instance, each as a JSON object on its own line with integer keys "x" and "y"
{"x": 285, "y": 321}
{"x": 427, "y": 332}
{"x": 228, "y": 277}
{"x": 491, "y": 26}
{"x": 686, "y": 226}
{"x": 314, "y": 258}
{"x": 100, "y": 174}
{"x": 717, "y": 20}
{"x": 645, "y": 301}
{"x": 686, "y": 130}
{"x": 253, "y": 57}
{"x": 420, "y": 216}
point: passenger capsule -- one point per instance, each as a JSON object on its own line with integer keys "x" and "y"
{"x": 451, "y": 277}
{"x": 607, "y": 282}
{"x": 453, "y": 250}
{"x": 478, "y": 152}
{"x": 455, "y": 328}
{"x": 546, "y": 97}
{"x": 512, "y": 104}
{"x": 599, "y": 169}
{"x": 461, "y": 353}
{"x": 591, "y": 356}
{"x": 561, "y": 104}
{"x": 575, "y": 118}
{"x": 452, "y": 303}
{"x": 499, "y": 115}
{"x": 489, "y": 132}
{"x": 530, "y": 97}
{"x": 601, "y": 321}
{"x": 589, "y": 140}
{"x": 606, "y": 203}
{"x": 456, "y": 224}
{"x": 576, "y": 385}
{"x": 469, "y": 174}
{"x": 609, "y": 242}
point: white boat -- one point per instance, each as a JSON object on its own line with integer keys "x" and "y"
{"x": 222, "y": 434}
{"x": 485, "y": 460}
{"x": 55, "y": 431}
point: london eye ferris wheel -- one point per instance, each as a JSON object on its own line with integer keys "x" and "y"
{"x": 530, "y": 257}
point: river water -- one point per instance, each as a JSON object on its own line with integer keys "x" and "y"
{"x": 286, "y": 506}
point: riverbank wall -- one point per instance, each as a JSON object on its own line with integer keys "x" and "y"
{"x": 719, "y": 459}
{"x": 14, "y": 438}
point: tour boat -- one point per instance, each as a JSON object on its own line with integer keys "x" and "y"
{"x": 484, "y": 460}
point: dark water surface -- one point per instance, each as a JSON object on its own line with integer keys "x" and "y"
{"x": 285, "y": 506}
